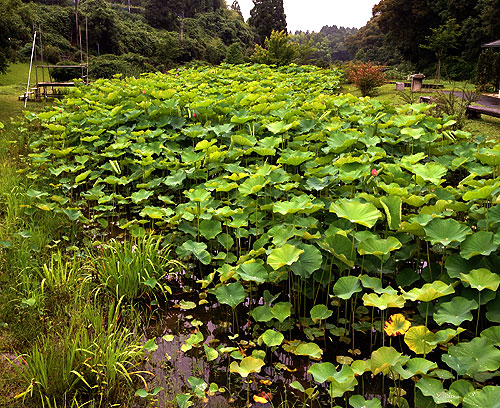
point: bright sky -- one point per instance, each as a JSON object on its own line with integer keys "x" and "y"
{"x": 313, "y": 14}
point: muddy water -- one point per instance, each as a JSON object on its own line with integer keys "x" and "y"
{"x": 172, "y": 367}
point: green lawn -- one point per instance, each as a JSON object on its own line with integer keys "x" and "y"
{"x": 12, "y": 85}
{"x": 487, "y": 126}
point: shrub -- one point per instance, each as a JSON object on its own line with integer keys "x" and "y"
{"x": 365, "y": 76}
{"x": 234, "y": 54}
{"x": 278, "y": 50}
{"x": 448, "y": 104}
{"x": 65, "y": 74}
{"x": 105, "y": 66}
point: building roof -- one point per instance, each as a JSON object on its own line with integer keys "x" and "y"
{"x": 491, "y": 44}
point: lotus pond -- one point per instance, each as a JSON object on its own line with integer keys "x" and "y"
{"x": 281, "y": 243}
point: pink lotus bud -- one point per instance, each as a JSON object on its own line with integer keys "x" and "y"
{"x": 374, "y": 172}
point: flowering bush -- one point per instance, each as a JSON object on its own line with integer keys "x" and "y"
{"x": 365, "y": 76}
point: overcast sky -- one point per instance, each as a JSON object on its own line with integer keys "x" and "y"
{"x": 313, "y": 14}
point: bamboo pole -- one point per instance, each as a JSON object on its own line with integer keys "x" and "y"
{"x": 29, "y": 72}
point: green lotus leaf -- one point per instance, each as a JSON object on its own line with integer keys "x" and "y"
{"x": 210, "y": 228}
{"x": 346, "y": 286}
{"x": 394, "y": 189}
{"x": 262, "y": 314}
{"x": 479, "y": 243}
{"x": 455, "y": 312}
{"x": 294, "y": 157}
{"x": 193, "y": 340}
{"x": 156, "y": 213}
{"x": 222, "y": 129}
{"x": 297, "y": 386}
{"x": 384, "y": 301}
{"x": 183, "y": 400}
{"x": 247, "y": 366}
{"x": 461, "y": 387}
{"x": 197, "y": 195}
{"x": 414, "y": 133}
{"x": 225, "y": 240}
{"x": 252, "y": 271}
{"x": 420, "y": 339}
{"x": 455, "y": 265}
{"x": 432, "y": 172}
{"x": 309, "y": 261}
{"x": 322, "y": 372}
{"x": 285, "y": 255}
{"x": 242, "y": 140}
{"x": 429, "y": 292}
{"x": 444, "y": 336}
{"x": 378, "y": 246}
{"x": 479, "y": 193}
{"x": 187, "y": 305}
{"x": 492, "y": 334}
{"x": 175, "y": 179}
{"x": 357, "y": 401}
{"x": 311, "y": 350}
{"x": 492, "y": 309}
{"x": 445, "y": 231}
{"x": 281, "y": 311}
{"x": 481, "y": 279}
{"x": 415, "y": 366}
{"x": 392, "y": 207}
{"x": 341, "y": 247}
{"x": 72, "y": 214}
{"x": 210, "y": 353}
{"x": 350, "y": 172}
{"x": 231, "y": 294}
{"x": 339, "y": 141}
{"x": 141, "y": 195}
{"x": 487, "y": 397}
{"x": 32, "y": 193}
{"x": 342, "y": 382}
{"x": 252, "y": 185}
{"x": 473, "y": 357}
{"x": 490, "y": 157}
{"x": 198, "y": 386}
{"x": 431, "y": 387}
{"x": 361, "y": 213}
{"x": 385, "y": 358}
{"x": 279, "y": 127}
{"x": 371, "y": 282}
{"x": 298, "y": 204}
{"x": 272, "y": 338}
{"x": 320, "y": 312}
{"x": 198, "y": 249}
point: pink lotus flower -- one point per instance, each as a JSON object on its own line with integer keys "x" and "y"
{"x": 143, "y": 92}
{"x": 374, "y": 172}
{"x": 194, "y": 115}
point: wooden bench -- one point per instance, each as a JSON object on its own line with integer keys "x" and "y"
{"x": 475, "y": 111}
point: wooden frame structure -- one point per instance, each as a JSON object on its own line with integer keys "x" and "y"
{"x": 51, "y": 89}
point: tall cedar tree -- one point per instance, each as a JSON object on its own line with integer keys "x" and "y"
{"x": 266, "y": 16}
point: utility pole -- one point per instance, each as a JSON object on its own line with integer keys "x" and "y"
{"x": 77, "y": 30}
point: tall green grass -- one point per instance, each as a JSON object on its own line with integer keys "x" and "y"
{"x": 135, "y": 269}
{"x": 94, "y": 361}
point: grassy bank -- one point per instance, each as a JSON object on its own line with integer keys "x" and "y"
{"x": 486, "y": 126}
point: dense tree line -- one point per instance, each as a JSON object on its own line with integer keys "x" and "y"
{"x": 428, "y": 33}
{"x": 325, "y": 47}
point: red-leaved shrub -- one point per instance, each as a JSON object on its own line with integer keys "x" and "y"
{"x": 365, "y": 76}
